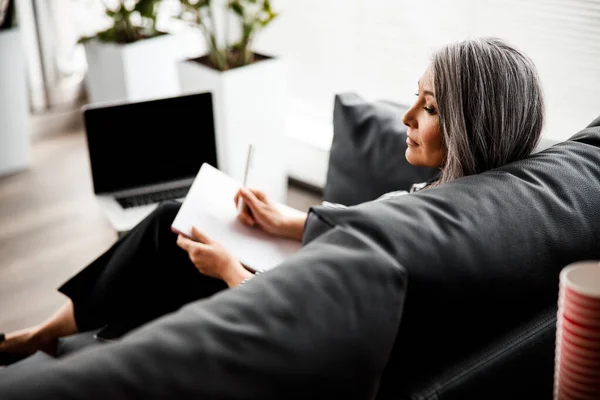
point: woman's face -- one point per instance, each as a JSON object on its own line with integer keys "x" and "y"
{"x": 424, "y": 137}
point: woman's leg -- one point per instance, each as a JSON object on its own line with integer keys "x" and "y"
{"x": 143, "y": 276}
{"x": 43, "y": 336}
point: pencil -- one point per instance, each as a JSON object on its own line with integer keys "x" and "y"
{"x": 246, "y": 173}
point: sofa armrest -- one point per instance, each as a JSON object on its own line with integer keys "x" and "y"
{"x": 518, "y": 366}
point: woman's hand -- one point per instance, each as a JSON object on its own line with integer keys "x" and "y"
{"x": 260, "y": 211}
{"x": 212, "y": 259}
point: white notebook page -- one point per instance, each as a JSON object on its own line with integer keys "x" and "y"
{"x": 209, "y": 206}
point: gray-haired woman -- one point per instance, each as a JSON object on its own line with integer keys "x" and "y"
{"x": 479, "y": 106}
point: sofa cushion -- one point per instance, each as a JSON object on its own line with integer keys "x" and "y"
{"x": 367, "y": 154}
{"x": 320, "y": 326}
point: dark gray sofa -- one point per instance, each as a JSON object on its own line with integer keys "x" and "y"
{"x": 400, "y": 298}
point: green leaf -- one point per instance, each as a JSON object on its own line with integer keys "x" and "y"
{"x": 237, "y": 8}
{"x": 109, "y": 35}
{"x": 267, "y": 6}
{"x": 147, "y": 8}
{"x": 84, "y": 39}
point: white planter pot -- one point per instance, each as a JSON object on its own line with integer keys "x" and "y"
{"x": 249, "y": 105}
{"x": 14, "y": 105}
{"x": 137, "y": 71}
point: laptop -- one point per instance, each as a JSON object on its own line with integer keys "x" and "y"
{"x": 147, "y": 152}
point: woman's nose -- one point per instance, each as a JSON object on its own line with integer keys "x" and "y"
{"x": 407, "y": 118}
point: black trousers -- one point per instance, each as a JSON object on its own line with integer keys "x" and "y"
{"x": 143, "y": 276}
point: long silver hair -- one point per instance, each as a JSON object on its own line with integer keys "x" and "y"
{"x": 490, "y": 104}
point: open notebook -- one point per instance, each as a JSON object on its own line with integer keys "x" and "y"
{"x": 209, "y": 206}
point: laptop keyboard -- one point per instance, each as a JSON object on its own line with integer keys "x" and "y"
{"x": 149, "y": 198}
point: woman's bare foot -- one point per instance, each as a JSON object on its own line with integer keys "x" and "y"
{"x": 27, "y": 341}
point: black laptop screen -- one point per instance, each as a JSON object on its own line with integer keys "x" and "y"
{"x": 138, "y": 144}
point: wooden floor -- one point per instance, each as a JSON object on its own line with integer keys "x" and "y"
{"x": 51, "y": 227}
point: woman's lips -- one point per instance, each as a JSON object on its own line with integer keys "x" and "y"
{"x": 411, "y": 142}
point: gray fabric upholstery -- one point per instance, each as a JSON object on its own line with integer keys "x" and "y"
{"x": 74, "y": 343}
{"x": 519, "y": 365}
{"x": 40, "y": 361}
{"x": 29, "y": 366}
{"x": 482, "y": 253}
{"x": 321, "y": 325}
{"x": 367, "y": 154}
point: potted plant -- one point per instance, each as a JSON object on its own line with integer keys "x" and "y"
{"x": 248, "y": 88}
{"x": 131, "y": 60}
{"x": 14, "y": 104}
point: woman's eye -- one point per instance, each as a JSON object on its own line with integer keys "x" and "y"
{"x": 417, "y": 94}
{"x": 430, "y": 110}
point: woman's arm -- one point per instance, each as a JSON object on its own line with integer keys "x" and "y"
{"x": 212, "y": 259}
{"x": 294, "y": 226}
{"x": 237, "y": 275}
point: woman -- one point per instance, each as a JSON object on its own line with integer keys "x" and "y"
{"x": 479, "y": 106}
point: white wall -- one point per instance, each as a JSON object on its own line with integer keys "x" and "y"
{"x": 379, "y": 48}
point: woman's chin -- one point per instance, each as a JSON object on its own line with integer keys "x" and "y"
{"x": 411, "y": 157}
